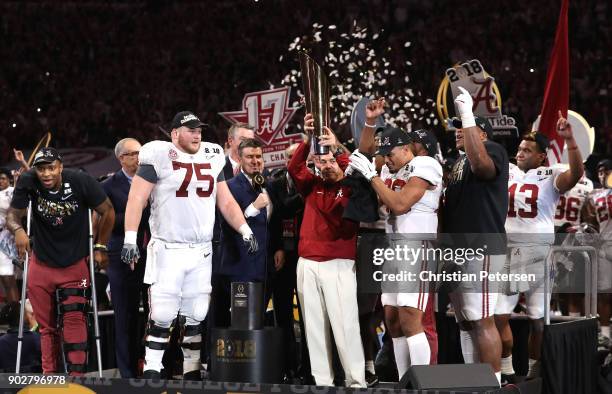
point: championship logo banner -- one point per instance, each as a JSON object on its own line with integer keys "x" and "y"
{"x": 269, "y": 112}
{"x": 472, "y": 77}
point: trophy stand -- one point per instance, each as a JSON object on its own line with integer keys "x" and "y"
{"x": 247, "y": 351}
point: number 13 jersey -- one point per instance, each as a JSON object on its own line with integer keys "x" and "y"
{"x": 532, "y": 202}
{"x": 184, "y": 197}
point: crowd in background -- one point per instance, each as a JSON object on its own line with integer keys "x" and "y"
{"x": 93, "y": 72}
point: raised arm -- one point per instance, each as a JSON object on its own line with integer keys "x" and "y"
{"x": 481, "y": 163}
{"x": 374, "y": 109}
{"x": 568, "y": 179}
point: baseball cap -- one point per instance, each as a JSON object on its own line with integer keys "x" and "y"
{"x": 187, "y": 119}
{"x": 46, "y": 155}
{"x": 540, "y": 139}
{"x": 605, "y": 163}
{"x": 427, "y": 139}
{"x": 390, "y": 138}
{"x": 481, "y": 122}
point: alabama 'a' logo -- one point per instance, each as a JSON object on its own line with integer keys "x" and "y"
{"x": 268, "y": 111}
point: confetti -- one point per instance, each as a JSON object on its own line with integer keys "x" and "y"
{"x": 356, "y": 69}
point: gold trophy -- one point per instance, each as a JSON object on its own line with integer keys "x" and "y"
{"x": 316, "y": 96}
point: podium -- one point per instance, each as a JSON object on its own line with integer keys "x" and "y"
{"x": 247, "y": 351}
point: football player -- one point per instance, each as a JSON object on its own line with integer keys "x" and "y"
{"x": 598, "y": 211}
{"x": 184, "y": 181}
{"x": 534, "y": 190}
{"x": 410, "y": 187}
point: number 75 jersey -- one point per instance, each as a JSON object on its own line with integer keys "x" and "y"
{"x": 532, "y": 202}
{"x": 184, "y": 198}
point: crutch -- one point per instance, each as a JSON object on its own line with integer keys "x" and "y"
{"x": 94, "y": 297}
{"x": 23, "y": 293}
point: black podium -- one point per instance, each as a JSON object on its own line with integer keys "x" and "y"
{"x": 247, "y": 352}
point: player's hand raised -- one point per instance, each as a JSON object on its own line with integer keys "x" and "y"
{"x": 564, "y": 128}
{"x": 374, "y": 109}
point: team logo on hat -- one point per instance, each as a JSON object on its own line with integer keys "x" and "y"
{"x": 189, "y": 117}
{"x": 385, "y": 142}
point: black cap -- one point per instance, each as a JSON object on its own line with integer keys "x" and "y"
{"x": 46, "y": 155}
{"x": 605, "y": 163}
{"x": 540, "y": 139}
{"x": 427, "y": 139}
{"x": 187, "y": 119}
{"x": 390, "y": 138}
{"x": 481, "y": 122}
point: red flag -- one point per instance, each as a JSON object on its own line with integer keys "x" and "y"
{"x": 556, "y": 92}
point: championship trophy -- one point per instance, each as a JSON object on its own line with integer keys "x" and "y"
{"x": 316, "y": 96}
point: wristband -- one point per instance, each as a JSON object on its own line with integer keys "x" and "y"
{"x": 369, "y": 125}
{"x": 573, "y": 148}
{"x": 100, "y": 247}
{"x": 467, "y": 120}
{"x": 130, "y": 237}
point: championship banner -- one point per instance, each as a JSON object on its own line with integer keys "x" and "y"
{"x": 268, "y": 112}
{"x": 472, "y": 77}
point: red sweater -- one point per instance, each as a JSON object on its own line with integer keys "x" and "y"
{"x": 324, "y": 235}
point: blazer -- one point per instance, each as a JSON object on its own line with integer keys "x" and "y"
{"x": 117, "y": 188}
{"x": 236, "y": 262}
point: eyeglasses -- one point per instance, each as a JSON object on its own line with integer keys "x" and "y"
{"x": 131, "y": 154}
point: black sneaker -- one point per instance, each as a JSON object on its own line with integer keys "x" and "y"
{"x": 371, "y": 379}
{"x": 193, "y": 376}
{"x": 151, "y": 374}
{"x": 508, "y": 379}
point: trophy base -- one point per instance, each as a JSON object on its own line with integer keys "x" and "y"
{"x": 247, "y": 356}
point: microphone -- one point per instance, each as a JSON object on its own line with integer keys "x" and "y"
{"x": 258, "y": 182}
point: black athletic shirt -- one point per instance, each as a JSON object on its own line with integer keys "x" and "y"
{"x": 60, "y": 227}
{"x": 473, "y": 205}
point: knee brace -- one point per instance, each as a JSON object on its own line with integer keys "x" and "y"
{"x": 159, "y": 332}
{"x": 61, "y": 295}
{"x": 192, "y": 336}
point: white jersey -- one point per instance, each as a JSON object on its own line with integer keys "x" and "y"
{"x": 532, "y": 201}
{"x": 6, "y": 196}
{"x": 571, "y": 203}
{"x": 602, "y": 201}
{"x": 184, "y": 198}
{"x": 422, "y": 218}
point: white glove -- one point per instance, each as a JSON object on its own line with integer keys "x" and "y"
{"x": 250, "y": 242}
{"x": 361, "y": 163}
{"x": 464, "y": 105}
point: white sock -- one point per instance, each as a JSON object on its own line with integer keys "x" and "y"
{"x": 498, "y": 376}
{"x": 369, "y": 366}
{"x": 470, "y": 352}
{"x": 402, "y": 355}
{"x": 506, "y": 365}
{"x": 534, "y": 368}
{"x": 419, "y": 349}
{"x": 605, "y": 331}
{"x": 574, "y": 314}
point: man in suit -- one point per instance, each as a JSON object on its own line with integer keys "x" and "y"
{"x": 237, "y": 265}
{"x": 288, "y": 207}
{"x": 126, "y": 281}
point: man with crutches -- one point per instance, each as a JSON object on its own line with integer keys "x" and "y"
{"x": 58, "y": 276}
